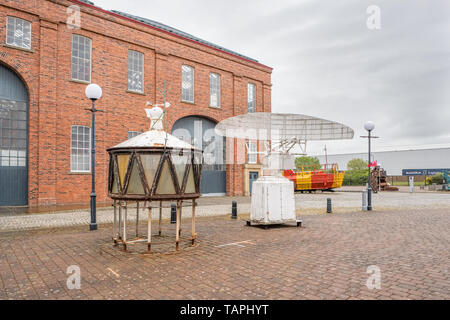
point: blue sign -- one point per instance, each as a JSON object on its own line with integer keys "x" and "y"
{"x": 422, "y": 172}
{"x": 413, "y": 172}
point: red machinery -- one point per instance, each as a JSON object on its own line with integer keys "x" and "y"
{"x": 322, "y": 179}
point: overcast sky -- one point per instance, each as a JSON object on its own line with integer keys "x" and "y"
{"x": 328, "y": 63}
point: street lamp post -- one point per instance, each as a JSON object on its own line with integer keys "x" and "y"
{"x": 369, "y": 126}
{"x": 93, "y": 92}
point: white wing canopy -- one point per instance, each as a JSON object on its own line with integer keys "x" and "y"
{"x": 281, "y": 126}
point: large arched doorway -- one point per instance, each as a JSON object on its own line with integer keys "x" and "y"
{"x": 200, "y": 132}
{"x": 13, "y": 139}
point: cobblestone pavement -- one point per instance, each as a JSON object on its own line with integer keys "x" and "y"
{"x": 215, "y": 206}
{"x": 327, "y": 258}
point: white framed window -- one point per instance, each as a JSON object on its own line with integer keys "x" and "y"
{"x": 135, "y": 71}
{"x": 13, "y": 158}
{"x": 18, "y": 32}
{"x": 80, "y": 149}
{"x": 251, "y": 152}
{"x": 132, "y": 134}
{"x": 81, "y": 58}
{"x": 214, "y": 90}
{"x": 187, "y": 85}
{"x": 251, "y": 97}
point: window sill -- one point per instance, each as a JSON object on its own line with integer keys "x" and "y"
{"x": 79, "y": 81}
{"x": 252, "y": 165}
{"x": 219, "y": 108}
{"x": 79, "y": 173}
{"x": 135, "y": 92}
{"x": 17, "y": 47}
{"x": 188, "y": 102}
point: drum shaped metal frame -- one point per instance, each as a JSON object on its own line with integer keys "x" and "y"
{"x": 121, "y": 199}
{"x": 150, "y": 190}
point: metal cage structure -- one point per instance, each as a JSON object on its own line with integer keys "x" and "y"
{"x": 152, "y": 167}
{"x": 149, "y": 174}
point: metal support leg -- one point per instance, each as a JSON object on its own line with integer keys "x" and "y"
{"x": 194, "y": 235}
{"x": 160, "y": 217}
{"x": 181, "y": 213}
{"x": 137, "y": 219}
{"x": 149, "y": 229}
{"x": 115, "y": 222}
{"x": 177, "y": 230}
{"x": 124, "y": 235}
{"x": 119, "y": 231}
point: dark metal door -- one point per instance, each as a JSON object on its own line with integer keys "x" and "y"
{"x": 253, "y": 176}
{"x": 13, "y": 139}
{"x": 200, "y": 132}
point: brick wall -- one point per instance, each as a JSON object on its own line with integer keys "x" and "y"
{"x": 57, "y": 102}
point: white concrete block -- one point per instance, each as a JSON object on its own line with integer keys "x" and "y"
{"x": 272, "y": 200}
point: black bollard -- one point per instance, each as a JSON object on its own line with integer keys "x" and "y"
{"x": 234, "y": 209}
{"x": 173, "y": 213}
{"x": 329, "y": 205}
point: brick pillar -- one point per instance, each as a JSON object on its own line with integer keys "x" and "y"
{"x": 161, "y": 74}
{"x": 47, "y": 113}
{"x": 267, "y": 97}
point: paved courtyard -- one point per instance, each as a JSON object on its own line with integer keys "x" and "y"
{"x": 308, "y": 203}
{"x": 327, "y": 258}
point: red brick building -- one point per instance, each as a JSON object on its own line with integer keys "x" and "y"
{"x": 51, "y": 49}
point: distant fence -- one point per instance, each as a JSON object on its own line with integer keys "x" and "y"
{"x": 395, "y": 179}
{"x": 392, "y": 180}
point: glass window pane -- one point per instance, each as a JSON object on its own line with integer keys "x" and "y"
{"x": 18, "y": 32}
{"x": 135, "y": 71}
{"x": 214, "y": 88}
{"x": 165, "y": 183}
{"x": 79, "y": 149}
{"x": 135, "y": 184}
{"x": 132, "y": 134}
{"x": 190, "y": 185}
{"x": 252, "y": 157}
{"x": 251, "y": 97}
{"x": 22, "y": 162}
{"x": 114, "y": 188}
{"x": 150, "y": 163}
{"x": 187, "y": 85}
{"x": 122, "y": 160}
{"x": 81, "y": 58}
{"x": 180, "y": 162}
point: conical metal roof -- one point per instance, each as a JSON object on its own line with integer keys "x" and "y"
{"x": 154, "y": 139}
